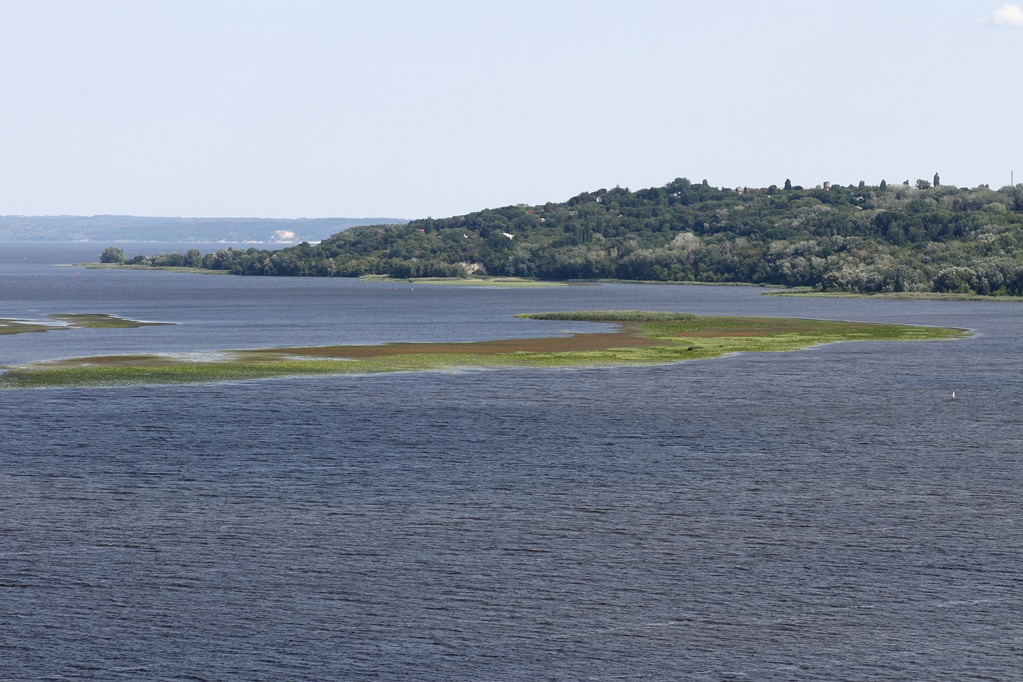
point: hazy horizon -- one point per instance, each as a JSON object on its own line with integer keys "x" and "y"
{"x": 318, "y": 108}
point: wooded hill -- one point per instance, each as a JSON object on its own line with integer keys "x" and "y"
{"x": 860, "y": 238}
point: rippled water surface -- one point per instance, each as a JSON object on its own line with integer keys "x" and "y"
{"x": 826, "y": 514}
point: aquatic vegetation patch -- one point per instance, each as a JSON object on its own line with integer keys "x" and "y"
{"x": 642, "y": 338}
{"x": 73, "y": 321}
{"x": 12, "y": 326}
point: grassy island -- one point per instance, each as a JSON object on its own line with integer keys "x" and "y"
{"x": 640, "y": 338}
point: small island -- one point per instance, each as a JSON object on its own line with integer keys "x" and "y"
{"x": 72, "y": 321}
{"x": 639, "y": 338}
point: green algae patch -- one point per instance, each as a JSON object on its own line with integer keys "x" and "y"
{"x": 73, "y": 321}
{"x": 641, "y": 338}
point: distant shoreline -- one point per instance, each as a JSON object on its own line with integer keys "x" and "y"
{"x": 106, "y": 242}
{"x": 128, "y": 229}
{"x": 894, "y": 295}
{"x": 164, "y": 268}
{"x": 522, "y": 282}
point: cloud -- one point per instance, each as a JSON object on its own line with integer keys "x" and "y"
{"x": 1009, "y": 15}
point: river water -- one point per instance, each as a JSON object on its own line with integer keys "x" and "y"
{"x": 824, "y": 514}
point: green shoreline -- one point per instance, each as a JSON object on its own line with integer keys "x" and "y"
{"x": 164, "y": 268}
{"x": 774, "y": 289}
{"x": 515, "y": 282}
{"x": 894, "y": 295}
{"x": 641, "y": 338}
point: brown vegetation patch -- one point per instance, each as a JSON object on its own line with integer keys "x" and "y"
{"x": 574, "y": 343}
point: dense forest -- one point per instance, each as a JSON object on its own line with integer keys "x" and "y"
{"x": 923, "y": 236}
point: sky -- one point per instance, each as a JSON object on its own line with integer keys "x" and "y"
{"x": 415, "y": 108}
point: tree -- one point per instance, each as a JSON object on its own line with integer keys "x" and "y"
{"x": 922, "y": 184}
{"x": 111, "y": 254}
{"x": 937, "y": 180}
{"x": 861, "y": 239}
{"x": 788, "y": 184}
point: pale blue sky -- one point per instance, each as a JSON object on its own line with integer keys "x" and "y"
{"x": 291, "y": 108}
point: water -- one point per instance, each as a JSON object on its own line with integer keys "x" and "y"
{"x": 826, "y": 514}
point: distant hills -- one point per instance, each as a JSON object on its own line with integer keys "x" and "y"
{"x": 120, "y": 228}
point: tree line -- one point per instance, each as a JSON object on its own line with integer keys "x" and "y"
{"x": 924, "y": 236}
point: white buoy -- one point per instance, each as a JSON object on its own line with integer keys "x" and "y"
{"x": 953, "y": 395}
